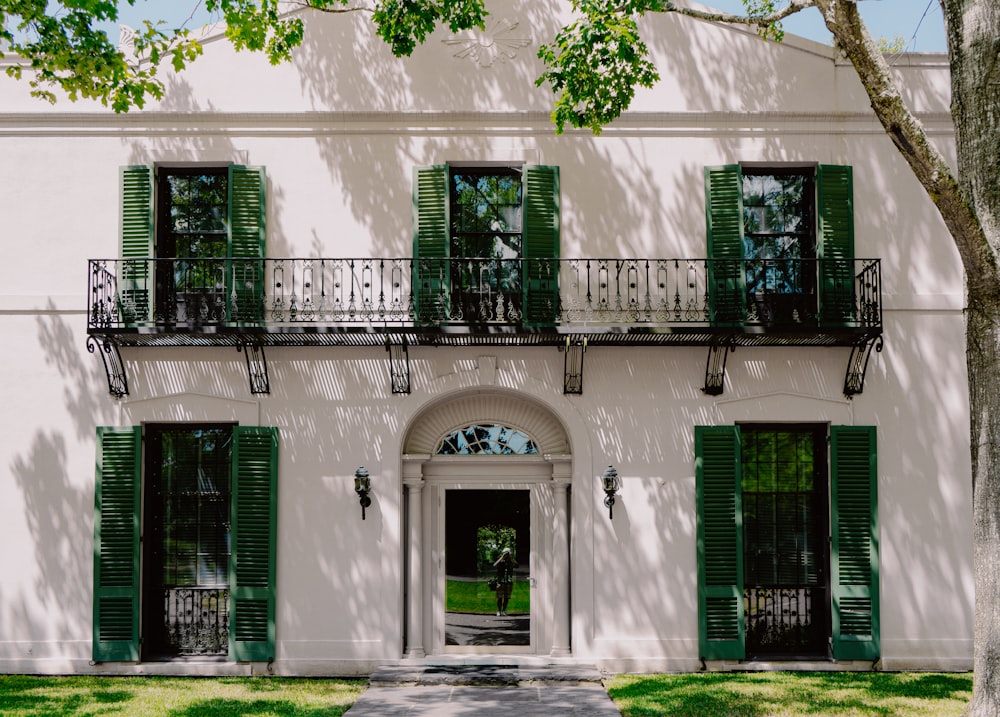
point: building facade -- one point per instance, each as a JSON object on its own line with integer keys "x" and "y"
{"x": 358, "y": 324}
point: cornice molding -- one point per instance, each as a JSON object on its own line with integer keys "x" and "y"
{"x": 196, "y": 124}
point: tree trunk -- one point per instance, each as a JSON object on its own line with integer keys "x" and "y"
{"x": 970, "y": 207}
{"x": 974, "y": 48}
{"x": 983, "y": 358}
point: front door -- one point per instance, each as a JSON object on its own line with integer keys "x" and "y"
{"x": 487, "y": 569}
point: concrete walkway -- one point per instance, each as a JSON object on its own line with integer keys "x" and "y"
{"x": 484, "y": 691}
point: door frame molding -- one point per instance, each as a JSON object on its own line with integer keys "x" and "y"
{"x": 426, "y": 478}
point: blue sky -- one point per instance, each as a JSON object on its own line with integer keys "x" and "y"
{"x": 919, "y": 22}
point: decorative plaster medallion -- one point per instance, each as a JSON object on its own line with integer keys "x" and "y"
{"x": 496, "y": 43}
{"x": 126, "y": 40}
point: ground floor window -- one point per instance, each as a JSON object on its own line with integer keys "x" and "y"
{"x": 185, "y": 542}
{"x": 785, "y": 529}
{"x": 771, "y": 498}
{"x": 186, "y": 547}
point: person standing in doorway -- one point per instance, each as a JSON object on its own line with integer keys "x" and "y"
{"x": 505, "y": 580}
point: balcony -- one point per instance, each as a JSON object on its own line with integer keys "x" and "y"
{"x": 257, "y": 303}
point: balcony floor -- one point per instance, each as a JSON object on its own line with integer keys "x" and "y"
{"x": 487, "y": 335}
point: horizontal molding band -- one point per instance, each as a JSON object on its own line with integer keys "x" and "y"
{"x": 306, "y": 124}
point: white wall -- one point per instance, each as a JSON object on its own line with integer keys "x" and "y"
{"x": 339, "y": 131}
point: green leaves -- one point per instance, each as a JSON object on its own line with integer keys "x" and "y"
{"x": 406, "y": 23}
{"x": 762, "y": 9}
{"x": 596, "y": 63}
{"x": 63, "y": 50}
{"x": 258, "y": 25}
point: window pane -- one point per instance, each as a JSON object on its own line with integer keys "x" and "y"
{"x": 490, "y": 439}
{"x": 486, "y": 219}
{"x": 778, "y": 231}
{"x": 194, "y": 490}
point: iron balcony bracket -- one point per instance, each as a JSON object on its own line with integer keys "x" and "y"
{"x": 857, "y": 364}
{"x": 715, "y": 368}
{"x": 573, "y": 364}
{"x": 256, "y": 366}
{"x": 114, "y": 367}
{"x": 399, "y": 365}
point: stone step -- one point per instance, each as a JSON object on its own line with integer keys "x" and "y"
{"x": 485, "y": 675}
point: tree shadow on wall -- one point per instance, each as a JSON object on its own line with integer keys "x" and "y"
{"x": 59, "y": 505}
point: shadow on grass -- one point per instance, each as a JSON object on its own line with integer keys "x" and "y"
{"x": 93, "y": 696}
{"x": 759, "y": 694}
{"x": 56, "y": 697}
{"x": 221, "y": 707}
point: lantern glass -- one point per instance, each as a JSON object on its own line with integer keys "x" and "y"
{"x": 611, "y": 482}
{"x": 362, "y": 481}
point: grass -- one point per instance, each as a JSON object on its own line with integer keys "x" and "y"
{"x": 786, "y": 694}
{"x": 475, "y": 597}
{"x": 758, "y": 694}
{"x": 21, "y": 696}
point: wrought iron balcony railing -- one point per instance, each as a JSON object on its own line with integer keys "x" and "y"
{"x": 689, "y": 301}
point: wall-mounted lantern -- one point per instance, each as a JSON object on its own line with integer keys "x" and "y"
{"x": 611, "y": 484}
{"x": 362, "y": 486}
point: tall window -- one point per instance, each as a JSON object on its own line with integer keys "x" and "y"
{"x": 192, "y": 244}
{"x": 191, "y": 234}
{"x": 486, "y": 244}
{"x": 778, "y": 232}
{"x": 780, "y": 244}
{"x": 205, "y": 496}
{"x": 486, "y": 237}
{"x": 770, "y": 499}
{"x": 187, "y": 540}
{"x": 784, "y": 540}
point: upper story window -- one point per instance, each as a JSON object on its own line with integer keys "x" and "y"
{"x": 780, "y": 243}
{"x": 485, "y": 213}
{"x": 486, "y": 207}
{"x": 486, "y": 243}
{"x": 194, "y": 236}
{"x": 778, "y": 231}
{"x": 193, "y": 212}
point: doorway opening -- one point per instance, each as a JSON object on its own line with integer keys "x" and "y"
{"x": 487, "y": 568}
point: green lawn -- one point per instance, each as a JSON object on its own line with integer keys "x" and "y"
{"x": 785, "y": 694}
{"x": 475, "y": 597}
{"x": 759, "y": 694}
{"x": 21, "y": 696}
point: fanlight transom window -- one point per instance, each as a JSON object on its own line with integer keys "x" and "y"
{"x": 487, "y": 439}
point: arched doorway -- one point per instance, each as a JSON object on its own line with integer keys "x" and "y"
{"x": 483, "y": 472}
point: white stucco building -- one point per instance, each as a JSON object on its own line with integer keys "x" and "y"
{"x": 352, "y": 260}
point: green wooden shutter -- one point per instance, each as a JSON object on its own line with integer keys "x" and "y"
{"x": 721, "y": 627}
{"x": 540, "y": 244}
{"x": 135, "y": 277}
{"x": 724, "y": 221}
{"x": 854, "y": 561}
{"x": 116, "y": 545}
{"x": 431, "y": 274}
{"x": 252, "y": 560}
{"x": 835, "y": 244}
{"x": 245, "y": 272}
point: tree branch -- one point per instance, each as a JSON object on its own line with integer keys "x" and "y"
{"x": 308, "y": 4}
{"x": 753, "y": 20}
{"x": 907, "y": 134}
